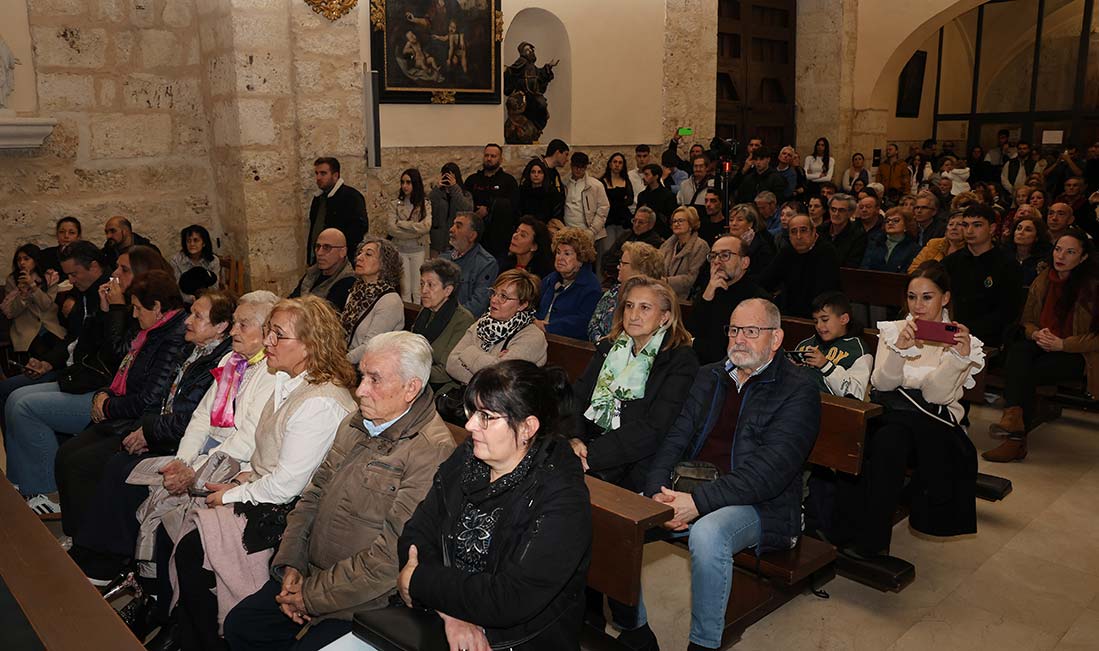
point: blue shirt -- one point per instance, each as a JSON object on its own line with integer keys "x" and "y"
{"x": 374, "y": 430}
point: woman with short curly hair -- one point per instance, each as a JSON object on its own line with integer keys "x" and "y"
{"x": 373, "y": 305}
{"x": 570, "y": 293}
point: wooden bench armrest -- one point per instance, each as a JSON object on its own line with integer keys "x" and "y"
{"x": 839, "y": 444}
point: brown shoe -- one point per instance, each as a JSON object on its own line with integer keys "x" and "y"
{"x": 1012, "y": 449}
{"x": 1011, "y": 424}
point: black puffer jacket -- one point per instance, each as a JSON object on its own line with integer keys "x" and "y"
{"x": 163, "y": 431}
{"x": 777, "y": 427}
{"x": 151, "y": 373}
{"x": 530, "y": 597}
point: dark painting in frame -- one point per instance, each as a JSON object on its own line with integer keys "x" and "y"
{"x": 910, "y": 86}
{"x": 437, "y": 51}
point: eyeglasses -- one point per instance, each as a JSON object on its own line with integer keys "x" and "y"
{"x": 279, "y": 337}
{"x": 679, "y": 221}
{"x": 894, "y": 220}
{"x": 921, "y": 208}
{"x": 482, "y": 416}
{"x": 724, "y": 256}
{"x": 326, "y": 248}
{"x": 502, "y": 296}
{"x": 751, "y": 332}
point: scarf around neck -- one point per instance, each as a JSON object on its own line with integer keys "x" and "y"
{"x": 431, "y": 324}
{"x": 118, "y": 385}
{"x": 360, "y": 301}
{"x": 491, "y": 332}
{"x": 229, "y": 378}
{"x": 622, "y": 378}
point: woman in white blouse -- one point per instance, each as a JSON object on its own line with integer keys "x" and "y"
{"x": 820, "y": 167}
{"x": 305, "y": 349}
{"x": 919, "y": 382}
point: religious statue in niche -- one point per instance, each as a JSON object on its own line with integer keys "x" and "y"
{"x": 7, "y": 73}
{"x": 525, "y": 85}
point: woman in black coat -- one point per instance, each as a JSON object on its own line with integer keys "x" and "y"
{"x": 500, "y": 546}
{"x": 538, "y": 197}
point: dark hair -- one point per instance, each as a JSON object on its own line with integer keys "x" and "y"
{"x": 417, "y": 196}
{"x": 607, "y": 170}
{"x": 156, "y": 286}
{"x": 145, "y": 258}
{"x": 799, "y": 207}
{"x": 870, "y": 192}
{"x": 543, "y": 257}
{"x": 641, "y": 149}
{"x": 332, "y": 163}
{"x": 764, "y": 152}
{"x": 71, "y": 220}
{"x": 517, "y": 389}
{"x": 982, "y": 211}
{"x": 31, "y": 251}
{"x": 222, "y": 305}
{"x": 653, "y": 169}
{"x": 838, "y": 303}
{"x": 669, "y": 159}
{"x": 580, "y": 159}
{"x": 928, "y": 142}
{"x": 934, "y": 271}
{"x": 453, "y": 168}
{"x": 1081, "y": 283}
{"x": 524, "y": 179}
{"x": 556, "y": 145}
{"x": 207, "y": 245}
{"x": 827, "y": 152}
{"x": 83, "y": 253}
{"x": 475, "y": 222}
{"x": 1022, "y": 142}
{"x": 1003, "y": 132}
{"x": 449, "y": 273}
{"x": 828, "y": 184}
{"x": 492, "y": 144}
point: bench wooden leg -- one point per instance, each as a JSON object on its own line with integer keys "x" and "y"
{"x": 753, "y": 597}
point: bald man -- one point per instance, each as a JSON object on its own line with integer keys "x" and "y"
{"x": 332, "y": 276}
{"x": 1059, "y": 218}
{"x": 120, "y": 237}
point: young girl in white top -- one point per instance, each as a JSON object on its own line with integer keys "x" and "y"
{"x": 959, "y": 176}
{"x": 409, "y": 229}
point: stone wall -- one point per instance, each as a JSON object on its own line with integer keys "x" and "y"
{"x": 124, "y": 80}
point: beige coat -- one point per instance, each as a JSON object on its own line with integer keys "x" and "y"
{"x": 681, "y": 268}
{"x": 342, "y": 535}
{"x": 467, "y": 357}
{"x": 29, "y": 315}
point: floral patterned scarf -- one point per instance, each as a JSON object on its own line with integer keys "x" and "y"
{"x": 622, "y": 377}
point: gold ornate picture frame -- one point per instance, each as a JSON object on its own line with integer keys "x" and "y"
{"x": 436, "y": 51}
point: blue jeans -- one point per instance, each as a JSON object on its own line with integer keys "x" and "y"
{"x": 9, "y": 385}
{"x": 715, "y": 538}
{"x": 34, "y": 416}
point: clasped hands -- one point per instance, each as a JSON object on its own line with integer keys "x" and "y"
{"x": 1048, "y": 341}
{"x": 683, "y": 505}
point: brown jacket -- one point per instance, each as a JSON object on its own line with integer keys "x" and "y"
{"x": 1082, "y": 340}
{"x": 342, "y": 535}
{"x": 895, "y": 176}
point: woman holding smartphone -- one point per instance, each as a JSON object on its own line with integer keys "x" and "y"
{"x": 923, "y": 364}
{"x": 29, "y": 300}
{"x": 447, "y": 199}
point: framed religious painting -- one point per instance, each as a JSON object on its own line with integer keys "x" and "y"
{"x": 437, "y": 51}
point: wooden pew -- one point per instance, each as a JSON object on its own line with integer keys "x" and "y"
{"x": 874, "y": 287}
{"x": 64, "y": 610}
{"x": 232, "y": 275}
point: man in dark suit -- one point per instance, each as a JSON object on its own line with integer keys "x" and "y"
{"x": 337, "y": 205}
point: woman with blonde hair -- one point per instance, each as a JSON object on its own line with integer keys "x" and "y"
{"x": 570, "y": 293}
{"x": 684, "y": 252}
{"x": 638, "y": 259}
{"x": 373, "y": 305}
{"x": 630, "y": 394}
{"x": 938, "y": 248}
{"x": 304, "y": 342}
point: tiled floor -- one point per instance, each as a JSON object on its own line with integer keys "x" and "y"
{"x": 1029, "y": 578}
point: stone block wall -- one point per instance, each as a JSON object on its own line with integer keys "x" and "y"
{"x": 125, "y": 82}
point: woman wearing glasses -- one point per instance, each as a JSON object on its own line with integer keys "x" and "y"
{"x": 305, "y": 349}
{"x": 507, "y": 331}
{"x": 373, "y": 305}
{"x": 684, "y": 252}
{"x": 500, "y": 547}
{"x": 892, "y": 248}
{"x": 922, "y": 366}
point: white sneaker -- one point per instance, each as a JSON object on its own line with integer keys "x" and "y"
{"x": 66, "y": 542}
{"x": 44, "y": 507}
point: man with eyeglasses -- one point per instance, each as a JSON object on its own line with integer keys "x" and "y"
{"x": 929, "y": 224}
{"x": 754, "y": 416}
{"x": 802, "y": 271}
{"x": 331, "y": 276}
{"x": 843, "y": 232}
{"x": 726, "y": 289}
{"x": 336, "y": 205}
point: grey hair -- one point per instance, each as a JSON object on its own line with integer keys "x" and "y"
{"x": 927, "y": 194}
{"x": 771, "y": 316}
{"x": 262, "y": 300}
{"x": 647, "y": 210}
{"x": 767, "y": 196}
{"x": 749, "y": 212}
{"x": 845, "y": 198}
{"x": 391, "y": 263}
{"x": 449, "y": 273}
{"x": 475, "y": 220}
{"x": 413, "y": 353}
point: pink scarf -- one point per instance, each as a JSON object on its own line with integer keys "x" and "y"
{"x": 229, "y": 378}
{"x": 118, "y": 385}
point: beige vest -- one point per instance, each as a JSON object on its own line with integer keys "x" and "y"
{"x": 272, "y": 424}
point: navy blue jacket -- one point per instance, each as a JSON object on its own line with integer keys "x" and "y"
{"x": 776, "y": 431}
{"x": 875, "y": 258}
{"x": 573, "y": 308}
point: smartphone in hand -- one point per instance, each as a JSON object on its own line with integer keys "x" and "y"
{"x": 938, "y": 331}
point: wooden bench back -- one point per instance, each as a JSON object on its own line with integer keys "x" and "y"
{"x": 232, "y": 275}
{"x": 874, "y": 287}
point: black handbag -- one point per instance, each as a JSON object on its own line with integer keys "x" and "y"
{"x": 84, "y": 376}
{"x": 688, "y": 475}
{"x": 399, "y": 628}
{"x": 265, "y": 524}
{"x": 450, "y": 406}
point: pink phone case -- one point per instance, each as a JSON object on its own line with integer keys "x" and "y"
{"x": 936, "y": 331}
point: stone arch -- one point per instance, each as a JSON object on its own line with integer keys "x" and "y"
{"x": 551, "y": 40}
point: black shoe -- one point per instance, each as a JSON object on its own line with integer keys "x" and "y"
{"x": 698, "y": 647}
{"x": 639, "y": 639}
{"x": 165, "y": 640}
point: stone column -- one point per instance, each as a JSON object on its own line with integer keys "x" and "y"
{"x": 690, "y": 67}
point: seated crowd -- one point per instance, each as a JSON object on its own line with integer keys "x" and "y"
{"x": 269, "y": 467}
